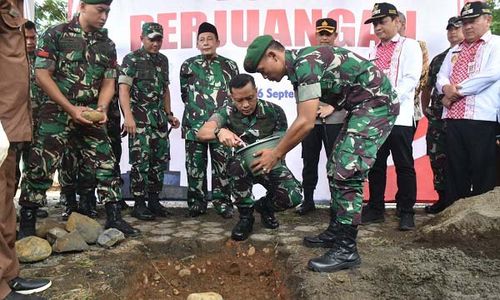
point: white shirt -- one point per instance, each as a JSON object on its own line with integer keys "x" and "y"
{"x": 482, "y": 88}
{"x": 406, "y": 68}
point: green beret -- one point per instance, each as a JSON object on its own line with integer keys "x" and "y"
{"x": 107, "y": 2}
{"x": 255, "y": 52}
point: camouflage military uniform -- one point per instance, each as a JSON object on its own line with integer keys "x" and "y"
{"x": 344, "y": 80}
{"x": 147, "y": 75}
{"x": 37, "y": 97}
{"x": 113, "y": 127}
{"x": 204, "y": 88}
{"x": 283, "y": 190}
{"x": 436, "y": 132}
{"x": 82, "y": 60}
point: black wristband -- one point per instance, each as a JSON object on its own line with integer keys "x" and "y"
{"x": 216, "y": 132}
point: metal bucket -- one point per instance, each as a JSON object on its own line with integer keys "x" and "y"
{"x": 246, "y": 153}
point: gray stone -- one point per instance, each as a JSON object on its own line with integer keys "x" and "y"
{"x": 72, "y": 241}
{"x": 204, "y": 296}
{"x": 161, "y": 231}
{"x": 211, "y": 224}
{"x": 190, "y": 222}
{"x": 306, "y": 228}
{"x": 110, "y": 237}
{"x": 261, "y": 237}
{"x": 160, "y": 239}
{"x": 54, "y": 234}
{"x": 32, "y": 249}
{"x": 88, "y": 228}
{"x": 166, "y": 225}
{"x": 214, "y": 230}
{"x": 144, "y": 227}
{"x": 291, "y": 240}
{"x": 185, "y": 234}
{"x": 212, "y": 237}
{"x": 474, "y": 217}
{"x": 43, "y": 228}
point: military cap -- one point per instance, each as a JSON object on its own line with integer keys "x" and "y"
{"x": 326, "y": 24}
{"x": 382, "y": 10}
{"x": 454, "y": 22}
{"x": 107, "y": 2}
{"x": 152, "y": 30}
{"x": 255, "y": 52}
{"x": 474, "y": 9}
{"x": 207, "y": 27}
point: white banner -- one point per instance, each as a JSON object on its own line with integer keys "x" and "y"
{"x": 291, "y": 22}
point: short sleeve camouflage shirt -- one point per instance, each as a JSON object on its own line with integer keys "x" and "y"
{"x": 81, "y": 60}
{"x": 338, "y": 77}
{"x": 147, "y": 75}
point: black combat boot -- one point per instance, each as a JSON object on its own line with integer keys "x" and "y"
{"x": 437, "y": 207}
{"x": 71, "y": 205}
{"x": 87, "y": 205}
{"x": 267, "y": 217}
{"x": 308, "y": 205}
{"x": 343, "y": 255}
{"x": 155, "y": 206}
{"x": 27, "y": 223}
{"x": 244, "y": 227}
{"x": 42, "y": 213}
{"x": 140, "y": 211}
{"x": 325, "y": 239}
{"x": 114, "y": 220}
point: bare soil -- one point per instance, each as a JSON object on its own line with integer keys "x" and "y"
{"x": 396, "y": 265}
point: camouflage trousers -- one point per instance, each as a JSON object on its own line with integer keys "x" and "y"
{"x": 283, "y": 191}
{"x": 196, "y": 167}
{"x": 436, "y": 149}
{"x": 148, "y": 155}
{"x": 74, "y": 175}
{"x": 354, "y": 153}
{"x": 52, "y": 137}
{"x": 114, "y": 132}
{"x": 77, "y": 177}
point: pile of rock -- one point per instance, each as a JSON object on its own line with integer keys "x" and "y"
{"x": 76, "y": 235}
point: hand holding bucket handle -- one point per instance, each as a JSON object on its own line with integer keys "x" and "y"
{"x": 266, "y": 161}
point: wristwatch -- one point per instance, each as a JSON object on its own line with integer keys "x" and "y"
{"x": 216, "y": 131}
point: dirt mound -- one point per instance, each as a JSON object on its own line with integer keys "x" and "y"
{"x": 469, "y": 220}
{"x": 436, "y": 274}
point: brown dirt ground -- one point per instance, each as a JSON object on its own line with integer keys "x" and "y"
{"x": 396, "y": 265}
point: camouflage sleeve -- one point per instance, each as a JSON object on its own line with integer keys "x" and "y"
{"x": 110, "y": 72}
{"x": 184, "y": 81}
{"x": 167, "y": 72}
{"x": 47, "y": 50}
{"x": 234, "y": 68}
{"x": 281, "y": 122}
{"x": 127, "y": 71}
{"x": 220, "y": 116}
{"x": 309, "y": 70}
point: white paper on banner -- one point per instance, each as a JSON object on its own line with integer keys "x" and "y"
{"x": 238, "y": 22}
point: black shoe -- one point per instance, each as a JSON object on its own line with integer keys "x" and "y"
{"x": 435, "y": 208}
{"x": 71, "y": 205}
{"x": 267, "y": 217}
{"x": 326, "y": 239}
{"x": 141, "y": 212}
{"x": 370, "y": 215}
{"x": 87, "y": 205}
{"x": 17, "y": 296}
{"x": 244, "y": 227}
{"x": 227, "y": 212}
{"x": 114, "y": 220}
{"x": 343, "y": 255}
{"x": 156, "y": 208}
{"x": 406, "y": 222}
{"x": 27, "y": 222}
{"x": 27, "y": 286}
{"x": 305, "y": 208}
{"x": 41, "y": 213}
{"x": 197, "y": 209}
